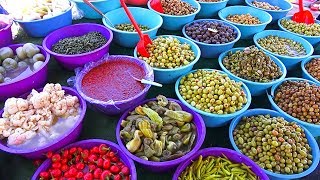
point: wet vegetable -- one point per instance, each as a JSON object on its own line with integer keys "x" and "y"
{"x": 212, "y": 92}
{"x": 80, "y": 44}
{"x": 252, "y": 64}
{"x": 313, "y": 68}
{"x": 212, "y": 167}
{"x": 274, "y": 144}
{"x": 301, "y": 28}
{"x": 156, "y": 133}
{"x": 177, "y": 7}
{"x": 129, "y": 27}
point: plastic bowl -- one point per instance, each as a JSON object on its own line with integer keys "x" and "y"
{"x": 213, "y": 50}
{"x": 71, "y": 62}
{"x": 43, "y": 27}
{"x": 236, "y": 2}
{"x": 313, "y": 128}
{"x": 220, "y": 152}
{"x": 89, "y": 144}
{"x": 166, "y": 165}
{"x": 289, "y": 62}
{"x": 210, "y": 9}
{"x": 286, "y": 6}
{"x": 137, "y": 2}
{"x": 312, "y": 142}
{"x": 305, "y": 73}
{"x": 256, "y": 88}
{"x": 313, "y": 40}
{"x": 210, "y": 119}
{"x": 23, "y": 84}
{"x": 168, "y": 76}
{"x": 247, "y": 31}
{"x": 69, "y": 137}
{"x": 114, "y": 107}
{"x": 174, "y": 23}
{"x": 5, "y": 31}
{"x": 103, "y": 5}
{"x": 141, "y": 15}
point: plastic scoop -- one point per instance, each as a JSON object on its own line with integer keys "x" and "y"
{"x": 144, "y": 81}
{"x": 303, "y": 16}
{"x": 98, "y": 11}
{"x": 156, "y": 5}
{"x": 144, "y": 38}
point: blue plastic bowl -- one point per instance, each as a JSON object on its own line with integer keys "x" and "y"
{"x": 43, "y": 27}
{"x": 213, "y": 50}
{"x": 142, "y": 16}
{"x": 314, "y": 40}
{"x": 210, "y": 119}
{"x": 247, "y": 31}
{"x": 235, "y": 2}
{"x": 256, "y": 88}
{"x": 289, "y": 62}
{"x": 103, "y": 5}
{"x": 286, "y": 6}
{"x": 168, "y": 76}
{"x": 305, "y": 73}
{"x": 174, "y": 23}
{"x": 313, "y": 128}
{"x": 210, "y": 9}
{"x": 312, "y": 142}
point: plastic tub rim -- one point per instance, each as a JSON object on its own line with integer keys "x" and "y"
{"x": 243, "y": 109}
{"x": 212, "y": 3}
{"x": 289, "y": 176}
{"x": 45, "y": 63}
{"x": 78, "y": 86}
{"x": 304, "y": 70}
{"x": 212, "y": 20}
{"x": 183, "y": 16}
{"x": 55, "y": 141}
{"x": 126, "y": 32}
{"x": 246, "y": 25}
{"x": 179, "y": 160}
{"x": 283, "y": 10}
{"x": 271, "y": 96}
{"x": 273, "y": 58}
{"x": 301, "y": 35}
{"x": 197, "y": 58}
{"x": 39, "y": 20}
{"x": 294, "y": 38}
{"x": 8, "y": 25}
{"x": 44, "y": 42}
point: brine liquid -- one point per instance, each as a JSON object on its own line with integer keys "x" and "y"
{"x": 20, "y": 72}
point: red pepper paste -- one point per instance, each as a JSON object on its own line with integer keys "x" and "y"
{"x": 112, "y": 81}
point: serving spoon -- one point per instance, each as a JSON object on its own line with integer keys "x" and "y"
{"x": 144, "y": 81}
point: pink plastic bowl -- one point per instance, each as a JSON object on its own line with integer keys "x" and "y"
{"x": 5, "y": 32}
{"x": 58, "y": 143}
{"x": 21, "y": 85}
{"x": 71, "y": 62}
{"x": 137, "y": 2}
{"x": 166, "y": 165}
{"x": 230, "y": 154}
{"x": 88, "y": 144}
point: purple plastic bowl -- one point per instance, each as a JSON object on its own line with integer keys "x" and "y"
{"x": 21, "y": 85}
{"x": 167, "y": 165}
{"x": 71, "y": 62}
{"x": 230, "y": 154}
{"x": 58, "y": 143}
{"x": 5, "y": 31}
{"x": 114, "y": 107}
{"x": 88, "y": 144}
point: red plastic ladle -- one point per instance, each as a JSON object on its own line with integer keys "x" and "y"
{"x": 156, "y": 5}
{"x": 144, "y": 38}
{"x": 303, "y": 16}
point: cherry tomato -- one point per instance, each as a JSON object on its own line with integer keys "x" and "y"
{"x": 92, "y": 158}
{"x": 103, "y": 149}
{"x": 88, "y": 176}
{"x": 95, "y": 150}
{"x": 80, "y": 175}
{"x": 65, "y": 153}
{"x": 73, "y": 171}
{"x": 106, "y": 164}
{"x": 79, "y": 149}
{"x": 100, "y": 162}
{"x": 56, "y": 173}
{"x": 72, "y": 178}
{"x": 56, "y": 158}
{"x": 73, "y": 150}
{"x": 114, "y": 169}
{"x": 64, "y": 168}
{"x": 64, "y": 161}
{"x": 92, "y": 167}
{"x": 80, "y": 165}
{"x": 44, "y": 175}
{"x": 56, "y": 165}
{"x": 97, "y": 173}
{"x": 85, "y": 154}
{"x": 117, "y": 177}
{"x": 49, "y": 154}
{"x": 111, "y": 154}
{"x": 115, "y": 159}
{"x": 125, "y": 171}
{"x": 105, "y": 174}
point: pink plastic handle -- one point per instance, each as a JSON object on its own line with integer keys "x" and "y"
{"x": 133, "y": 21}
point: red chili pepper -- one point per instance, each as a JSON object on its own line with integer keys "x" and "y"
{"x": 88, "y": 176}
{"x": 56, "y": 158}
{"x": 95, "y": 150}
{"x": 80, "y": 165}
{"x": 125, "y": 171}
{"x": 117, "y": 177}
{"x": 64, "y": 168}
{"x": 56, "y": 173}
{"x": 106, "y": 164}
{"x": 114, "y": 169}
{"x": 49, "y": 154}
{"x": 80, "y": 175}
{"x": 105, "y": 175}
{"x": 56, "y": 165}
{"x": 99, "y": 162}
{"x": 97, "y": 173}
{"x": 103, "y": 149}
{"x": 73, "y": 150}
{"x": 45, "y": 175}
{"x": 115, "y": 159}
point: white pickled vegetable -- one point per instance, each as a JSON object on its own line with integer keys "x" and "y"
{"x": 2, "y": 70}
{"x": 38, "y": 57}
{"x": 30, "y": 49}
{"x": 7, "y": 79}
{"x": 21, "y": 53}
{"x": 1, "y": 78}
{"x": 22, "y": 64}
{"x": 37, "y": 65}
{"x": 5, "y": 53}
{"x": 9, "y": 64}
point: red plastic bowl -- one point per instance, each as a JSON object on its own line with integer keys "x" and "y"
{"x": 88, "y": 144}
{"x": 137, "y": 2}
{"x": 58, "y": 143}
{"x": 21, "y": 85}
